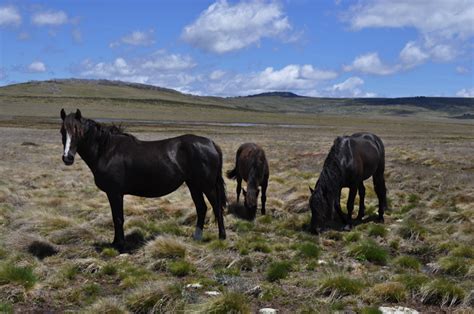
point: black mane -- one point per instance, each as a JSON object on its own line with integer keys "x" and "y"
{"x": 331, "y": 175}
{"x": 106, "y": 130}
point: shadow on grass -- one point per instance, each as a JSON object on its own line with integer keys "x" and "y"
{"x": 133, "y": 241}
{"x": 41, "y": 249}
{"x": 240, "y": 211}
{"x": 340, "y": 225}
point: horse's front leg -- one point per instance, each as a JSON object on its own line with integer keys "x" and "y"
{"x": 239, "y": 187}
{"x": 361, "y": 213}
{"x": 264, "y": 195}
{"x": 350, "y": 204}
{"x": 116, "y": 204}
{"x": 337, "y": 207}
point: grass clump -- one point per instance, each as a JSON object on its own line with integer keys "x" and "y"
{"x": 107, "y": 306}
{"x": 6, "y": 308}
{"x": 309, "y": 250}
{"x": 452, "y": 265}
{"x": 155, "y": 297}
{"x": 377, "y": 230}
{"x": 218, "y": 245}
{"x": 352, "y": 236}
{"x": 411, "y": 230}
{"x": 370, "y": 251}
{"x": 180, "y": 268}
{"x": 412, "y": 282}
{"x": 109, "y": 252}
{"x": 463, "y": 251}
{"x": 340, "y": 285}
{"x": 370, "y": 310}
{"x": 389, "y": 292}
{"x": 441, "y": 292}
{"x": 278, "y": 270}
{"x": 166, "y": 247}
{"x": 231, "y": 302}
{"x": 243, "y": 226}
{"x": 9, "y": 273}
{"x": 407, "y": 262}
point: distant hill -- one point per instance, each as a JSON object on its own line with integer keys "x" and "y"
{"x": 106, "y": 92}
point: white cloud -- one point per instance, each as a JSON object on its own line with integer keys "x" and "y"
{"x": 224, "y": 27}
{"x": 370, "y": 63}
{"x": 9, "y": 16}
{"x": 466, "y": 92}
{"x": 462, "y": 70}
{"x": 217, "y": 74}
{"x": 77, "y": 35}
{"x": 349, "y": 88}
{"x": 412, "y": 55}
{"x": 50, "y": 18}
{"x": 37, "y": 67}
{"x": 444, "y": 26}
{"x": 136, "y": 38}
{"x": 168, "y": 62}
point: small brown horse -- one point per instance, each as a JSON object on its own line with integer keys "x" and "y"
{"x": 122, "y": 164}
{"x": 351, "y": 160}
{"x": 251, "y": 165}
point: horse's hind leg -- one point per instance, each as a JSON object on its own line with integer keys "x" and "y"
{"x": 239, "y": 187}
{"x": 116, "y": 204}
{"x": 201, "y": 210}
{"x": 217, "y": 208}
{"x": 361, "y": 213}
{"x": 381, "y": 191}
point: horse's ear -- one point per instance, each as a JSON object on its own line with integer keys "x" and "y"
{"x": 78, "y": 114}
{"x": 63, "y": 114}
{"x": 311, "y": 190}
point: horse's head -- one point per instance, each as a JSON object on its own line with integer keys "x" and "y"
{"x": 72, "y": 131}
{"x": 320, "y": 206}
{"x": 250, "y": 199}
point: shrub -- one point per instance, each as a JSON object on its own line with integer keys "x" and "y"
{"x": 369, "y": 251}
{"x": 232, "y": 302}
{"x": 278, "y": 270}
{"x": 10, "y": 273}
{"x": 390, "y": 292}
{"x": 340, "y": 285}
{"x": 441, "y": 292}
{"x": 407, "y": 262}
{"x": 180, "y": 268}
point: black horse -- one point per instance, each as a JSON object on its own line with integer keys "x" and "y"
{"x": 351, "y": 160}
{"x": 122, "y": 164}
{"x": 252, "y": 166}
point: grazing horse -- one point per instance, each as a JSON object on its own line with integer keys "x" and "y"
{"x": 251, "y": 165}
{"x": 122, "y": 164}
{"x": 351, "y": 160}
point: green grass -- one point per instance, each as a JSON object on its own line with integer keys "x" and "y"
{"x": 9, "y": 273}
{"x": 352, "y": 236}
{"x": 407, "y": 262}
{"x": 340, "y": 285}
{"x": 453, "y": 265}
{"x": 377, "y": 230}
{"x": 154, "y": 297}
{"x": 368, "y": 250}
{"x": 370, "y": 310}
{"x": 394, "y": 292}
{"x": 413, "y": 282}
{"x": 165, "y": 247}
{"x": 180, "y": 268}
{"x": 410, "y": 229}
{"x": 309, "y": 250}
{"x": 278, "y": 270}
{"x": 231, "y": 302}
{"x": 109, "y": 252}
{"x": 463, "y": 251}
{"x": 441, "y": 292}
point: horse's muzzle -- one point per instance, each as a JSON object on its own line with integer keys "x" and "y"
{"x": 68, "y": 160}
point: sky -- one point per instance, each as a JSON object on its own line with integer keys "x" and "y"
{"x": 322, "y": 48}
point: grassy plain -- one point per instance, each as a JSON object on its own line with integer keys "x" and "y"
{"x": 55, "y": 223}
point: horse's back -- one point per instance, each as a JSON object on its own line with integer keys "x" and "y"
{"x": 366, "y": 154}
{"x": 251, "y": 156}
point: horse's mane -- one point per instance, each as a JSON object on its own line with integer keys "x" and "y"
{"x": 331, "y": 176}
{"x": 106, "y": 130}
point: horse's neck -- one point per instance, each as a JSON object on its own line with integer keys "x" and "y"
{"x": 90, "y": 150}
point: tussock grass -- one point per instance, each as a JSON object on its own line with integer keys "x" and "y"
{"x": 407, "y": 262}
{"x": 368, "y": 250}
{"x": 337, "y": 286}
{"x": 154, "y": 297}
{"x": 166, "y": 247}
{"x": 377, "y": 230}
{"x": 463, "y": 251}
{"x": 441, "y": 292}
{"x": 309, "y": 250}
{"x": 231, "y": 302}
{"x": 352, "y": 236}
{"x": 389, "y": 292}
{"x": 413, "y": 282}
{"x": 109, "y": 305}
{"x": 453, "y": 265}
{"x": 278, "y": 270}
{"x": 22, "y": 275}
{"x": 410, "y": 229}
{"x": 180, "y": 268}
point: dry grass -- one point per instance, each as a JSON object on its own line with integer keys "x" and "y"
{"x": 429, "y": 227}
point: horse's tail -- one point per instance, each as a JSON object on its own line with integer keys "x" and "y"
{"x": 220, "y": 184}
{"x": 232, "y": 174}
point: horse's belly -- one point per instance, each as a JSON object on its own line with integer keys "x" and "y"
{"x": 152, "y": 186}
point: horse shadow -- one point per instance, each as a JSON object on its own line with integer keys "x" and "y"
{"x": 133, "y": 242}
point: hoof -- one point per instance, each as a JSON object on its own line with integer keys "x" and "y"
{"x": 222, "y": 235}
{"x": 380, "y": 220}
{"x": 119, "y": 247}
{"x": 197, "y": 234}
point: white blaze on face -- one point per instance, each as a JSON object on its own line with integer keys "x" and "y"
{"x": 68, "y": 144}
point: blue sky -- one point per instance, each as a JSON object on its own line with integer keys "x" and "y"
{"x": 330, "y": 48}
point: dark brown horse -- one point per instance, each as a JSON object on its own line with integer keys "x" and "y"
{"x": 251, "y": 165}
{"x": 351, "y": 160}
{"x": 122, "y": 164}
